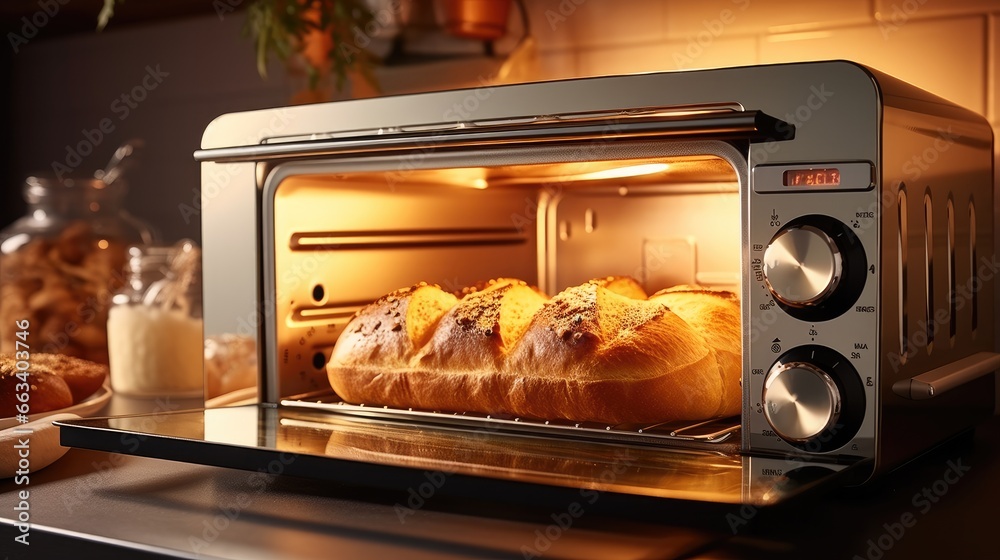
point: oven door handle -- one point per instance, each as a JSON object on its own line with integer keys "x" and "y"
{"x": 752, "y": 126}
{"x": 947, "y": 377}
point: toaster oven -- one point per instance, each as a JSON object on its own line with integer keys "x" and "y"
{"x": 853, "y": 214}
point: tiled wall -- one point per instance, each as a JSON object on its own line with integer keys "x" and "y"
{"x": 62, "y": 86}
{"x": 949, "y": 47}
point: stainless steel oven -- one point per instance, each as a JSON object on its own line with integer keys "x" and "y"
{"x": 852, "y": 213}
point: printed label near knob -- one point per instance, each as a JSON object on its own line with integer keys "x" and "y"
{"x": 802, "y": 265}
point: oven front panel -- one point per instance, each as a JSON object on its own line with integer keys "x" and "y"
{"x": 835, "y": 337}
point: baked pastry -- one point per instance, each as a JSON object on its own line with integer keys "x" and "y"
{"x": 83, "y": 377}
{"x": 62, "y": 285}
{"x": 46, "y": 391}
{"x": 56, "y": 381}
{"x": 471, "y": 342}
{"x": 381, "y": 339}
{"x": 621, "y": 285}
{"x": 230, "y": 364}
{"x": 715, "y": 315}
{"x": 588, "y": 354}
{"x": 592, "y": 354}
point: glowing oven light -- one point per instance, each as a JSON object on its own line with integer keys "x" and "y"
{"x": 627, "y": 171}
{"x": 472, "y": 177}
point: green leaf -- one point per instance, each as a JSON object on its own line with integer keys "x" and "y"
{"x": 106, "y": 13}
{"x": 278, "y": 27}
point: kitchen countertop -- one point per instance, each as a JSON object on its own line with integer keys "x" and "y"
{"x": 92, "y": 504}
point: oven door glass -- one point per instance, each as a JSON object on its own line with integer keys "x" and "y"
{"x": 388, "y": 453}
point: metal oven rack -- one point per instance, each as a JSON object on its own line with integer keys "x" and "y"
{"x": 713, "y": 431}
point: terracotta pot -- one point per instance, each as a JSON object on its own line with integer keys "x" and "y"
{"x": 476, "y": 19}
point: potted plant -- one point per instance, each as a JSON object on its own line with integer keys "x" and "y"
{"x": 319, "y": 37}
{"x": 475, "y": 19}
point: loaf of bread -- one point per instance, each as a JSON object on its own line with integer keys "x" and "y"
{"x": 715, "y": 315}
{"x": 597, "y": 352}
{"x": 621, "y": 285}
{"x": 83, "y": 377}
{"x": 374, "y": 351}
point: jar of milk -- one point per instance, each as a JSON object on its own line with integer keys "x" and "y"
{"x": 155, "y": 342}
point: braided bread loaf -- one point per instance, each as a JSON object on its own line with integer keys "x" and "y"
{"x": 597, "y": 352}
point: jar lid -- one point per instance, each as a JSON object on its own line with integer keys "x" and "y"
{"x": 142, "y": 258}
{"x": 179, "y": 256}
{"x": 37, "y": 187}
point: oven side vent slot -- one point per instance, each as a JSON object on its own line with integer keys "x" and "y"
{"x": 952, "y": 304}
{"x": 941, "y": 307}
{"x": 973, "y": 259}
{"x": 929, "y": 323}
{"x": 902, "y": 289}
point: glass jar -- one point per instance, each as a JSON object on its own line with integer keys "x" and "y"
{"x": 60, "y": 264}
{"x": 155, "y": 324}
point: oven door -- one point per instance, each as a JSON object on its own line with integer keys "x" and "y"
{"x": 482, "y": 461}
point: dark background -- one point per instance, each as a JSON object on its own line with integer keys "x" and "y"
{"x": 67, "y": 77}
{"x": 11, "y": 204}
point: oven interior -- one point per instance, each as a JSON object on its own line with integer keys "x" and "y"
{"x": 345, "y": 233}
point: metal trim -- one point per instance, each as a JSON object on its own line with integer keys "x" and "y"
{"x": 746, "y": 125}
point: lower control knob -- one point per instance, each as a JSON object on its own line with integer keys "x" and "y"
{"x": 814, "y": 399}
{"x": 801, "y": 401}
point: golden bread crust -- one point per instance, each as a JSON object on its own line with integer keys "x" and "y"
{"x": 591, "y": 353}
{"x": 715, "y": 314}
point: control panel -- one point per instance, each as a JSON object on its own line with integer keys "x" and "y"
{"x": 813, "y": 315}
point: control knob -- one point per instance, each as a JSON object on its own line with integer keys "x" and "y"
{"x": 813, "y": 398}
{"x": 802, "y": 265}
{"x": 815, "y": 268}
{"x": 800, "y": 401}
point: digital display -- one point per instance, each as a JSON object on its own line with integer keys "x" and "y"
{"x": 827, "y": 177}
